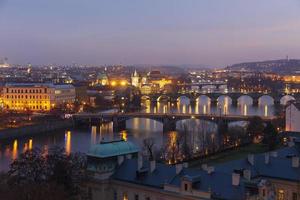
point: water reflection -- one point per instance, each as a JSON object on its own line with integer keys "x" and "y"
{"x": 202, "y": 133}
{"x": 15, "y": 150}
{"x": 68, "y": 144}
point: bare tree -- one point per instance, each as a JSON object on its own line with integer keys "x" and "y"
{"x": 149, "y": 146}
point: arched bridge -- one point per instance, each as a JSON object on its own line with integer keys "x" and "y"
{"x": 214, "y": 97}
{"x": 168, "y": 120}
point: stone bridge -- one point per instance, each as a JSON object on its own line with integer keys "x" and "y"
{"x": 168, "y": 120}
{"x": 214, "y": 97}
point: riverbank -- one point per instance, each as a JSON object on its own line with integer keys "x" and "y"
{"x": 34, "y": 129}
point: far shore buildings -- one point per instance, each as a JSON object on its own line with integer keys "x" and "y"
{"x": 150, "y": 83}
{"x": 36, "y": 96}
{"x": 117, "y": 171}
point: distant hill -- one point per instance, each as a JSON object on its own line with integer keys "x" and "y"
{"x": 285, "y": 66}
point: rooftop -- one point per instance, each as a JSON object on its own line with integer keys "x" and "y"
{"x": 112, "y": 148}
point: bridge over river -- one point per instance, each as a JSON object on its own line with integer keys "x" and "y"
{"x": 168, "y": 120}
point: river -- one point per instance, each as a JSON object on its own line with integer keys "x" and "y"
{"x": 137, "y": 129}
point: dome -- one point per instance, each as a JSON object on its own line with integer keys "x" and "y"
{"x": 102, "y": 76}
{"x": 112, "y": 148}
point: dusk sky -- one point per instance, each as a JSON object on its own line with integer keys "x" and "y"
{"x": 209, "y": 32}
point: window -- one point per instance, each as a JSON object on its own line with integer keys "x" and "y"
{"x": 295, "y": 196}
{"x": 136, "y": 197}
{"x": 115, "y": 195}
{"x": 90, "y": 194}
{"x": 280, "y": 194}
{"x": 185, "y": 187}
{"x": 125, "y": 196}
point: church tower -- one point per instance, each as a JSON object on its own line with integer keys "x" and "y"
{"x": 135, "y": 79}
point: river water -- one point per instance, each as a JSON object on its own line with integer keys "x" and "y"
{"x": 137, "y": 129}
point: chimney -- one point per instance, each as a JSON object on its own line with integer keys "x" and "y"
{"x": 120, "y": 160}
{"x": 295, "y": 161}
{"x": 267, "y": 158}
{"x": 251, "y": 159}
{"x": 140, "y": 162}
{"x": 247, "y": 174}
{"x": 185, "y": 165}
{"x": 235, "y": 179}
{"x": 274, "y": 154}
{"x": 204, "y": 167}
{"x": 178, "y": 168}
{"x": 152, "y": 165}
{"x": 210, "y": 169}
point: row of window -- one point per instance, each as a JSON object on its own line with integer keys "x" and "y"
{"x": 28, "y": 102}
{"x": 36, "y": 107}
{"x": 27, "y": 96}
{"x": 125, "y": 196}
{"x": 26, "y": 90}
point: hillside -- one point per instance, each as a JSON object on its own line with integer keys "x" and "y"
{"x": 279, "y": 66}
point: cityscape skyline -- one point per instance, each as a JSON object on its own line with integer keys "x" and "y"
{"x": 208, "y": 33}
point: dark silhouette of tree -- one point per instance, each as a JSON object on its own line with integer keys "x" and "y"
{"x": 222, "y": 132}
{"x": 49, "y": 175}
{"x": 270, "y": 136}
{"x": 255, "y": 127}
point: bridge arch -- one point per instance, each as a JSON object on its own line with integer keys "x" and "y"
{"x": 195, "y": 124}
{"x": 145, "y": 123}
{"x": 163, "y": 97}
{"x": 224, "y": 100}
{"x": 266, "y": 98}
{"x": 286, "y": 98}
{"x": 184, "y": 98}
{"x": 245, "y": 99}
{"x": 203, "y": 99}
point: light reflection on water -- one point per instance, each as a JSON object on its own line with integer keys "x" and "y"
{"x": 137, "y": 129}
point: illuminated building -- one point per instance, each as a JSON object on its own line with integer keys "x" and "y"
{"x": 291, "y": 78}
{"x": 117, "y": 170}
{"x": 162, "y": 82}
{"x": 102, "y": 79}
{"x": 135, "y": 80}
{"x": 36, "y": 96}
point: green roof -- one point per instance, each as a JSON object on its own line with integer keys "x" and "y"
{"x": 112, "y": 148}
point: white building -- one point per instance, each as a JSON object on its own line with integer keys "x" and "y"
{"x": 292, "y": 117}
{"x": 135, "y": 80}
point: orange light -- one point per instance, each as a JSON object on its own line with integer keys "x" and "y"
{"x": 123, "y": 83}
{"x": 113, "y": 83}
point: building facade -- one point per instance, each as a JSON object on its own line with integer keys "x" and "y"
{"x": 118, "y": 172}
{"x": 36, "y": 96}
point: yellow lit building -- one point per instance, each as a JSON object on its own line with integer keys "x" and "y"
{"x": 162, "y": 82}
{"x": 292, "y": 78}
{"x": 36, "y": 96}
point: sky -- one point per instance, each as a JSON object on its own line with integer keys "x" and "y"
{"x": 156, "y": 32}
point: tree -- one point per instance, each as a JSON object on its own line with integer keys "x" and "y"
{"x": 222, "y": 132}
{"x": 44, "y": 175}
{"x": 149, "y": 144}
{"x": 255, "y": 126}
{"x": 270, "y": 136}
